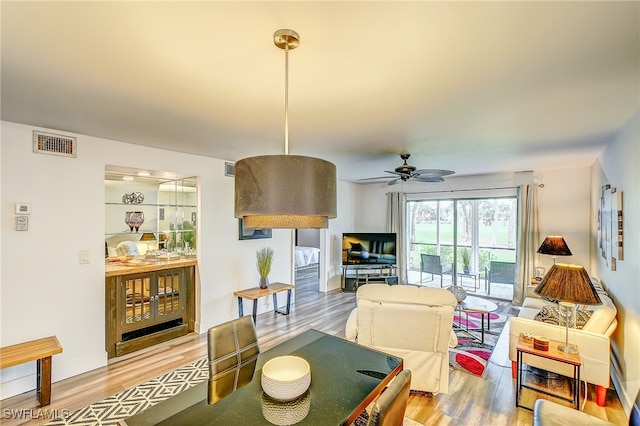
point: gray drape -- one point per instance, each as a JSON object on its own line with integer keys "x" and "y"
{"x": 397, "y": 222}
{"x": 528, "y": 241}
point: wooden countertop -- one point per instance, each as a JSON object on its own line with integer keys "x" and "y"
{"x": 140, "y": 264}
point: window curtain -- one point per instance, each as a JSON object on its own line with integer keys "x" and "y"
{"x": 397, "y": 222}
{"x": 528, "y": 241}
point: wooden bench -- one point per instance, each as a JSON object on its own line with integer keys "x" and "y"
{"x": 40, "y": 350}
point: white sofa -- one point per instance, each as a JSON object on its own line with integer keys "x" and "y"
{"x": 414, "y": 323}
{"x": 592, "y": 340}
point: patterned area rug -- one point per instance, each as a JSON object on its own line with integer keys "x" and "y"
{"x": 471, "y": 355}
{"x": 111, "y": 410}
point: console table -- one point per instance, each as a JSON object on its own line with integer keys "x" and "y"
{"x": 256, "y": 292}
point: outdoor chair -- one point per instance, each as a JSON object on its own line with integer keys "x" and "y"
{"x": 499, "y": 272}
{"x": 431, "y": 264}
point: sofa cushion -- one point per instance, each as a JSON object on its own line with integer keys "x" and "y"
{"x": 407, "y": 294}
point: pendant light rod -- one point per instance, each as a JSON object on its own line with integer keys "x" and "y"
{"x": 287, "y": 40}
{"x": 286, "y": 99}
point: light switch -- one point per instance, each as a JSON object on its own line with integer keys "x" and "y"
{"x": 84, "y": 257}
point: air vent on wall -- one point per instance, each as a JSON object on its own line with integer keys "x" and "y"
{"x": 48, "y": 143}
{"x": 229, "y": 169}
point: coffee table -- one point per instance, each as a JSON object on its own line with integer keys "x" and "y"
{"x": 473, "y": 304}
{"x": 337, "y": 395}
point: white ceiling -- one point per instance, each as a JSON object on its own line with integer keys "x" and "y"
{"x": 475, "y": 87}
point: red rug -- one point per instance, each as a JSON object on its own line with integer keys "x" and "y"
{"x": 471, "y": 355}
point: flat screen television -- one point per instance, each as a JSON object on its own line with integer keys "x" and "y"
{"x": 369, "y": 248}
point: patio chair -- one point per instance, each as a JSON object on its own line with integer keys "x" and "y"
{"x": 499, "y": 272}
{"x": 431, "y": 264}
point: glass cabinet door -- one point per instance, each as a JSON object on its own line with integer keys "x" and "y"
{"x": 169, "y": 297}
{"x": 138, "y": 302}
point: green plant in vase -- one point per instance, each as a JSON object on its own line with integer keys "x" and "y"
{"x": 465, "y": 255}
{"x": 264, "y": 258}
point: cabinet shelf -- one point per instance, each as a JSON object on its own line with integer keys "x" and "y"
{"x": 168, "y": 205}
{"x": 140, "y": 232}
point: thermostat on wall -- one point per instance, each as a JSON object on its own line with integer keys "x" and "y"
{"x": 22, "y": 223}
{"x": 23, "y": 208}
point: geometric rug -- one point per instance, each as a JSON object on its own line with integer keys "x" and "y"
{"x": 471, "y": 355}
{"x": 121, "y": 406}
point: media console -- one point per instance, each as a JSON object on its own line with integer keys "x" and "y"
{"x": 354, "y": 276}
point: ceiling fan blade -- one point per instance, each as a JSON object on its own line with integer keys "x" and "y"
{"x": 433, "y": 172}
{"x": 428, "y": 179}
{"x": 376, "y": 178}
{"x": 396, "y": 173}
{"x": 393, "y": 182}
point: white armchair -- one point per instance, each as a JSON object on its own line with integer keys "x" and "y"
{"x": 414, "y": 323}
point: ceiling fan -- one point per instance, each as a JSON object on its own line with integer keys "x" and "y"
{"x": 407, "y": 172}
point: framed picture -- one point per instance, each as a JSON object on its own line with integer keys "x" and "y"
{"x": 604, "y": 221}
{"x": 252, "y": 233}
{"x": 617, "y": 252}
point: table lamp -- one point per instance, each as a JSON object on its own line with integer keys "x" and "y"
{"x": 555, "y": 246}
{"x": 568, "y": 284}
{"x": 148, "y": 236}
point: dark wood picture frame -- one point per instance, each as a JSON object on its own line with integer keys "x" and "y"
{"x": 252, "y": 233}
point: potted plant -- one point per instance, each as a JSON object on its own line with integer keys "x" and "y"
{"x": 465, "y": 255}
{"x": 264, "y": 257}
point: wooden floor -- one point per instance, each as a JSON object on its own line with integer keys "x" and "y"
{"x": 471, "y": 400}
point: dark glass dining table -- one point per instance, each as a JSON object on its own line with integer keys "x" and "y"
{"x": 345, "y": 378}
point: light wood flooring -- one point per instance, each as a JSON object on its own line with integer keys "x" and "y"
{"x": 472, "y": 400}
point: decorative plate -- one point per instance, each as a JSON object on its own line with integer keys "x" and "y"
{"x": 133, "y": 198}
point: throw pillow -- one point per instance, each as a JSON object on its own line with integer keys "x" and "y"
{"x": 552, "y": 315}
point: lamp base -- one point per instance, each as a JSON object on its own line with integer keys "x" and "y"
{"x": 568, "y": 349}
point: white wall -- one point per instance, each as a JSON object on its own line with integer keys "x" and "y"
{"x": 564, "y": 209}
{"x": 46, "y": 291}
{"x": 348, "y": 198}
{"x": 617, "y": 166}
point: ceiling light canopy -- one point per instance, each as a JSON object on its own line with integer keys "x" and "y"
{"x": 285, "y": 191}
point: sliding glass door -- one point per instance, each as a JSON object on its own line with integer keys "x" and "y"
{"x": 467, "y": 234}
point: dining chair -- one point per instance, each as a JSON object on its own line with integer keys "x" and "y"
{"x": 432, "y": 264}
{"x": 388, "y": 409}
{"x": 233, "y": 353}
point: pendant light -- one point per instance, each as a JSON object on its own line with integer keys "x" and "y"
{"x": 285, "y": 191}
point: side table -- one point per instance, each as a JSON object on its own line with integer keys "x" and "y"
{"x": 474, "y": 276}
{"x": 257, "y": 292}
{"x": 554, "y": 354}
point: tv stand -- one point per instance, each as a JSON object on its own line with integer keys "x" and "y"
{"x": 355, "y": 275}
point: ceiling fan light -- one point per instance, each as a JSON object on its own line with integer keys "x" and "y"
{"x": 285, "y": 191}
